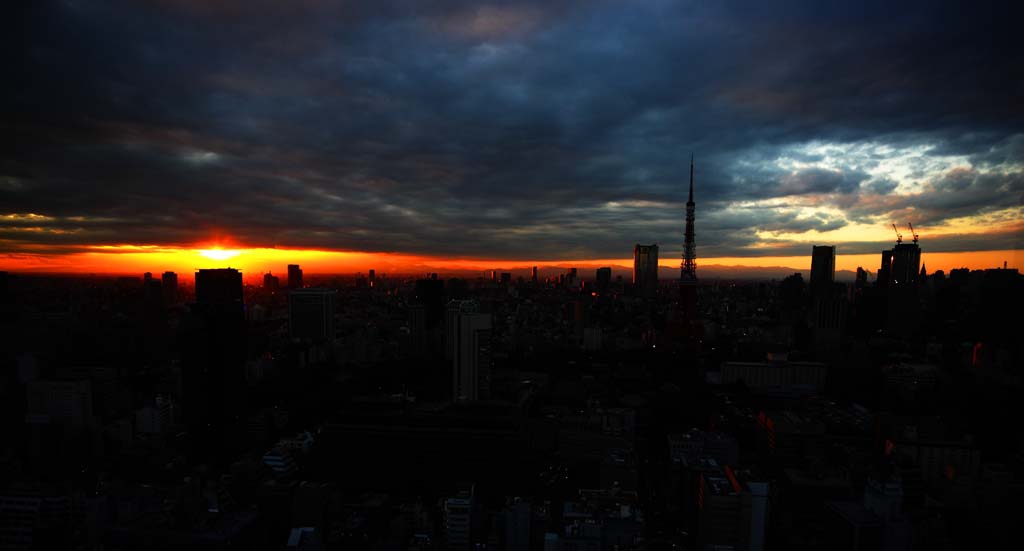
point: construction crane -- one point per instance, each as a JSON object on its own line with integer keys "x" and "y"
{"x": 912, "y": 232}
{"x": 899, "y": 237}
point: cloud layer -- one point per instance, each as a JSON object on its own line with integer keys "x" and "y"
{"x": 544, "y": 130}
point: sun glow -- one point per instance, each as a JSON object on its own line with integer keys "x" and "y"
{"x": 220, "y": 254}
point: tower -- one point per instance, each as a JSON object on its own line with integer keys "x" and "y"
{"x": 688, "y": 271}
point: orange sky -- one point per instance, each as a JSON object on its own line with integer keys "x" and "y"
{"x": 135, "y": 259}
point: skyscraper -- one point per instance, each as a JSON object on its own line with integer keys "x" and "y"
{"x": 311, "y": 314}
{"x": 604, "y": 279}
{"x": 645, "y": 269}
{"x": 271, "y": 282}
{"x": 533, "y": 274}
{"x": 688, "y": 271}
{"x": 906, "y": 264}
{"x": 169, "y": 282}
{"x": 823, "y": 268}
{"x": 213, "y": 357}
{"x": 294, "y": 276}
{"x": 468, "y": 341}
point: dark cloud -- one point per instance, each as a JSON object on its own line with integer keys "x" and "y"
{"x": 519, "y": 130}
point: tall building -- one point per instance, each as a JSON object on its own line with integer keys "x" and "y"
{"x": 688, "y": 270}
{"x": 294, "y": 276}
{"x": 862, "y": 278}
{"x": 533, "y": 274}
{"x": 901, "y": 265}
{"x": 885, "y": 270}
{"x": 604, "y": 279}
{"x": 219, "y": 287}
{"x": 311, "y": 313}
{"x": 169, "y": 282}
{"x": 823, "y": 268}
{"x": 213, "y": 358}
{"x": 645, "y": 269}
{"x": 468, "y": 345}
{"x": 271, "y": 282}
{"x": 372, "y": 277}
{"x": 906, "y": 264}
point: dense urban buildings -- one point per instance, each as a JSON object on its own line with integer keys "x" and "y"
{"x": 410, "y": 320}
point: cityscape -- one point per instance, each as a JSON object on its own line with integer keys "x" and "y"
{"x": 411, "y": 326}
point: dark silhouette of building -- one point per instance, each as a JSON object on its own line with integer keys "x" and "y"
{"x": 169, "y": 282}
{"x": 533, "y": 274}
{"x": 823, "y": 268}
{"x": 271, "y": 282}
{"x": 294, "y": 276}
{"x": 430, "y": 293}
{"x": 885, "y": 270}
{"x": 311, "y": 314}
{"x": 604, "y": 279}
{"x": 467, "y": 341}
{"x": 906, "y": 264}
{"x": 645, "y": 269}
{"x": 213, "y": 358}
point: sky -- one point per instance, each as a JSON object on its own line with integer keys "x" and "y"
{"x": 425, "y": 135}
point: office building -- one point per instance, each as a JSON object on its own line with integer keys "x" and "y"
{"x": 213, "y": 357}
{"x": 603, "y": 279}
{"x": 169, "y": 283}
{"x": 906, "y": 264}
{"x": 311, "y": 314}
{"x": 468, "y": 345}
{"x": 63, "y": 402}
{"x": 533, "y": 274}
{"x": 458, "y": 520}
{"x": 294, "y": 276}
{"x": 271, "y": 282}
{"x": 732, "y": 509}
{"x": 645, "y": 269}
{"x": 823, "y": 268}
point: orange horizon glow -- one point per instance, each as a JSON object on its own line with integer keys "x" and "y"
{"x": 253, "y": 262}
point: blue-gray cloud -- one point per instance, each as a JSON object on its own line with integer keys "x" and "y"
{"x": 520, "y": 130}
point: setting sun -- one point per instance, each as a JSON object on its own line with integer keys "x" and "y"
{"x": 220, "y": 254}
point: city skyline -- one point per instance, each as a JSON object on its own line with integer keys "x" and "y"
{"x": 439, "y": 136}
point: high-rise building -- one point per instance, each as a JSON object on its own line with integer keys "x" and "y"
{"x": 603, "y": 279}
{"x": 311, "y": 313}
{"x": 906, "y": 264}
{"x": 885, "y": 270}
{"x": 213, "y": 358}
{"x": 533, "y": 274}
{"x": 294, "y": 276}
{"x": 220, "y": 287}
{"x": 901, "y": 266}
{"x": 372, "y": 277}
{"x": 271, "y": 282}
{"x": 645, "y": 269}
{"x": 823, "y": 268}
{"x": 169, "y": 282}
{"x": 468, "y": 345}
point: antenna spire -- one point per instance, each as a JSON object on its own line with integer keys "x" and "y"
{"x": 691, "y": 178}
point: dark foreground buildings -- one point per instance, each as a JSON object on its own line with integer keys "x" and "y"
{"x": 514, "y": 414}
